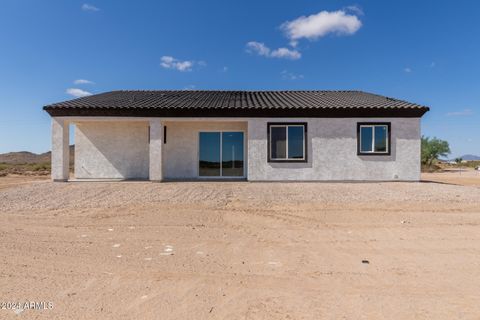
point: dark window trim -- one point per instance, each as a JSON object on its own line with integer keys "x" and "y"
{"x": 164, "y": 134}
{"x": 304, "y": 124}
{"x": 389, "y": 138}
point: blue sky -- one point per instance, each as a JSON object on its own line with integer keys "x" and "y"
{"x": 421, "y": 51}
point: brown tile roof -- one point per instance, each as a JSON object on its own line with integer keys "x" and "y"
{"x": 236, "y": 104}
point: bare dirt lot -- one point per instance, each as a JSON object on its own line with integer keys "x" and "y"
{"x": 238, "y": 250}
{"x": 464, "y": 177}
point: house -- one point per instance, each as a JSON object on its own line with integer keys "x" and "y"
{"x": 252, "y": 135}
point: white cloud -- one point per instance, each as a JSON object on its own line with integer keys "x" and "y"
{"x": 89, "y": 7}
{"x": 290, "y": 76}
{"x": 293, "y": 43}
{"x": 318, "y": 25}
{"x": 261, "y": 49}
{"x": 78, "y": 93}
{"x": 83, "y": 81}
{"x": 464, "y": 112}
{"x": 355, "y": 9}
{"x": 407, "y": 70}
{"x": 189, "y": 87}
{"x": 169, "y": 62}
{"x": 286, "y": 53}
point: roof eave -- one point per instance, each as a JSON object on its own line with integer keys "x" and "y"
{"x": 57, "y": 111}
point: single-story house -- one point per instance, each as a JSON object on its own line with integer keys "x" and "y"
{"x": 251, "y": 135}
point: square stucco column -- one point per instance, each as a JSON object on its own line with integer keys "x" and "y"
{"x": 156, "y": 144}
{"x": 60, "y": 150}
{"x": 252, "y": 148}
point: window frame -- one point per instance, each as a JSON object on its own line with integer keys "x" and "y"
{"x": 373, "y": 125}
{"x": 286, "y": 125}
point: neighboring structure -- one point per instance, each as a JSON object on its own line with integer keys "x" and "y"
{"x": 253, "y": 135}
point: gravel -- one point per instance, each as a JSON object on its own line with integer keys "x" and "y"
{"x": 55, "y": 196}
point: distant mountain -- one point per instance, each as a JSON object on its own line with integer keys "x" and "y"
{"x": 470, "y": 157}
{"x": 23, "y": 157}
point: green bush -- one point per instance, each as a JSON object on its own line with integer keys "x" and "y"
{"x": 4, "y": 166}
{"x": 432, "y": 149}
{"x": 38, "y": 167}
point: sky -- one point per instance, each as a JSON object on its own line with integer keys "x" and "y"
{"x": 427, "y": 52}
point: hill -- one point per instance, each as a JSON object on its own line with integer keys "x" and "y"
{"x": 470, "y": 157}
{"x": 26, "y": 157}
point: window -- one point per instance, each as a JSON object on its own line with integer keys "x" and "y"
{"x": 373, "y": 138}
{"x": 286, "y": 142}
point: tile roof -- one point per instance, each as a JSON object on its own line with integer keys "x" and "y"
{"x": 261, "y": 103}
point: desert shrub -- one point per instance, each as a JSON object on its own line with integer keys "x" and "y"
{"x": 431, "y": 168}
{"x": 38, "y": 167}
{"x": 472, "y": 164}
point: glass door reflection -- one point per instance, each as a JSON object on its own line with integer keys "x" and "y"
{"x": 221, "y": 154}
{"x": 209, "y": 156}
{"x": 232, "y": 154}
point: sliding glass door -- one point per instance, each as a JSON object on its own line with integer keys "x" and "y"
{"x": 232, "y": 154}
{"x": 221, "y": 154}
{"x": 209, "y": 156}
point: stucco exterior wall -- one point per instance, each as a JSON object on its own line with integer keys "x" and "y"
{"x": 111, "y": 150}
{"x": 332, "y": 152}
{"x": 60, "y": 150}
{"x": 180, "y": 153}
{"x": 120, "y": 149}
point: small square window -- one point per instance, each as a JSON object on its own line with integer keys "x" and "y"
{"x": 373, "y": 138}
{"x": 287, "y": 142}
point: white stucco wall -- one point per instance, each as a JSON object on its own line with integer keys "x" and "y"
{"x": 332, "y": 152}
{"x": 120, "y": 149}
{"x": 180, "y": 153}
{"x": 60, "y": 150}
{"x": 111, "y": 150}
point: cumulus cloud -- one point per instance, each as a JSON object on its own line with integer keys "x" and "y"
{"x": 355, "y": 9}
{"x": 319, "y": 25}
{"x": 290, "y": 76}
{"x": 261, "y": 49}
{"x": 89, "y": 7}
{"x": 286, "y": 53}
{"x": 83, "y": 81}
{"x": 169, "y": 62}
{"x": 78, "y": 93}
{"x": 464, "y": 112}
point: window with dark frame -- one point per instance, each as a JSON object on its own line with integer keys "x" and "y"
{"x": 287, "y": 142}
{"x": 373, "y": 138}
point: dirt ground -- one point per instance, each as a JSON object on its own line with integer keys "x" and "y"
{"x": 467, "y": 177}
{"x": 239, "y": 250}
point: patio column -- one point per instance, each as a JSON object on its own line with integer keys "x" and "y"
{"x": 156, "y": 144}
{"x": 60, "y": 149}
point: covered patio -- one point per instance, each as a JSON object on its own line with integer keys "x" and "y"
{"x": 155, "y": 149}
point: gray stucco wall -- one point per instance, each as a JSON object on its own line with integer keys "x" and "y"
{"x": 111, "y": 150}
{"x": 180, "y": 153}
{"x": 120, "y": 149}
{"x": 332, "y": 152}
